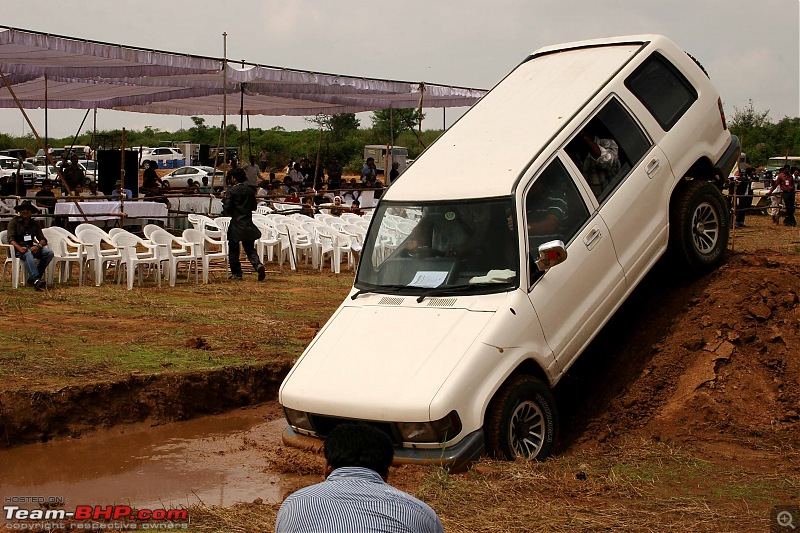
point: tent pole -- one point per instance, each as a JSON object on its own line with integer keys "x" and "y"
{"x": 419, "y": 135}
{"x": 319, "y": 151}
{"x": 224, "y": 99}
{"x": 94, "y": 138}
{"x": 249, "y": 141}
{"x": 39, "y": 140}
{"x": 46, "y": 138}
{"x": 390, "y": 152}
{"x": 241, "y": 119}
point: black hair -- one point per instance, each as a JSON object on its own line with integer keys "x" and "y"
{"x": 239, "y": 175}
{"x": 359, "y": 445}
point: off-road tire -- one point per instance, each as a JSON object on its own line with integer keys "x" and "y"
{"x": 699, "y": 227}
{"x": 521, "y": 420}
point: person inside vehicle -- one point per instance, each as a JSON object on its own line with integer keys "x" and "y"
{"x": 597, "y": 156}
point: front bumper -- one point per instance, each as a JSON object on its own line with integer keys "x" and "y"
{"x": 457, "y": 457}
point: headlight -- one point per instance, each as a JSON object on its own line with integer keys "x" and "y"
{"x": 298, "y": 419}
{"x": 436, "y": 431}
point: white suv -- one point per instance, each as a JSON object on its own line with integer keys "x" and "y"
{"x": 498, "y": 256}
{"x": 163, "y": 157}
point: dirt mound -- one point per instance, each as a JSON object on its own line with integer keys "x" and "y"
{"x": 726, "y": 376}
{"x": 36, "y": 416}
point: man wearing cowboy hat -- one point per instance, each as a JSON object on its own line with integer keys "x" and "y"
{"x": 25, "y": 235}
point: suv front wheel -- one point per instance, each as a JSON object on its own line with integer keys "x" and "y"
{"x": 521, "y": 420}
{"x": 699, "y": 226}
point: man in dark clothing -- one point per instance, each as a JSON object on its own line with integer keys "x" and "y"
{"x": 239, "y": 204}
{"x": 73, "y": 174}
{"x": 46, "y": 197}
{"x": 335, "y": 170}
{"x": 25, "y": 235}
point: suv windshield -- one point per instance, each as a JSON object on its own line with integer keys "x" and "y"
{"x": 463, "y": 246}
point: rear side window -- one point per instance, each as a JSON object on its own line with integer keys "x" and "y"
{"x": 664, "y": 91}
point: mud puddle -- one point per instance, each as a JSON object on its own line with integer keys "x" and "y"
{"x": 209, "y": 460}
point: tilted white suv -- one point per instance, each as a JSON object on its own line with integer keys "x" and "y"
{"x": 498, "y": 256}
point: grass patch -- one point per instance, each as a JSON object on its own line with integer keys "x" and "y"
{"x": 77, "y": 334}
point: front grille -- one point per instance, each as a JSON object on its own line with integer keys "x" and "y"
{"x": 323, "y": 425}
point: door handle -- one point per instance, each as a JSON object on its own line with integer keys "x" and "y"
{"x": 652, "y": 166}
{"x": 592, "y": 237}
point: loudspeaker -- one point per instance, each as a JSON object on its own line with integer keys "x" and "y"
{"x": 203, "y": 154}
{"x": 108, "y": 170}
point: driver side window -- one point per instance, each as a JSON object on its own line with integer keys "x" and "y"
{"x": 554, "y": 209}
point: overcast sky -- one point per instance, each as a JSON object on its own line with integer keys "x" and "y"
{"x": 750, "y": 48}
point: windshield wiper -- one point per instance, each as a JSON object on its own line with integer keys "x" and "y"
{"x": 453, "y": 289}
{"x": 377, "y": 288}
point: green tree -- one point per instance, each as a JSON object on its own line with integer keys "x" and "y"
{"x": 749, "y": 118}
{"x": 386, "y": 121}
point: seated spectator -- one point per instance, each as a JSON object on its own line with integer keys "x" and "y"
{"x": 205, "y": 188}
{"x": 120, "y": 190}
{"x": 292, "y": 198}
{"x": 308, "y": 209}
{"x": 46, "y": 198}
{"x": 93, "y": 191}
{"x": 355, "y": 208}
{"x": 30, "y": 245}
{"x": 262, "y": 191}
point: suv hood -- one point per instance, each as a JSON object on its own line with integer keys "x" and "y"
{"x": 381, "y": 362}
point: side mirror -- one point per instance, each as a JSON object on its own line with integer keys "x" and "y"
{"x": 551, "y": 253}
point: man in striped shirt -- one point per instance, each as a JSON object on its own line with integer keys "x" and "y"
{"x": 355, "y": 496}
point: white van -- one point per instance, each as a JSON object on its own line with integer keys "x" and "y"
{"x": 508, "y": 245}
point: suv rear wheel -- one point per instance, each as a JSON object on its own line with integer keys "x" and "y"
{"x": 699, "y": 227}
{"x": 522, "y": 420}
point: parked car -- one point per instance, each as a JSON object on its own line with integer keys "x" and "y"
{"x": 10, "y": 165}
{"x": 164, "y": 157}
{"x": 89, "y": 168}
{"x": 46, "y": 172}
{"x": 180, "y": 177}
{"x": 509, "y": 244}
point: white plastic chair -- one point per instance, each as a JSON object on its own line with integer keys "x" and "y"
{"x": 165, "y": 251}
{"x": 294, "y": 241}
{"x": 200, "y": 242}
{"x": 132, "y": 260}
{"x": 102, "y": 256}
{"x": 269, "y": 241}
{"x": 17, "y": 265}
{"x": 149, "y": 229}
{"x": 63, "y": 258}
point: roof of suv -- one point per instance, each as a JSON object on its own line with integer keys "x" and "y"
{"x": 500, "y": 136}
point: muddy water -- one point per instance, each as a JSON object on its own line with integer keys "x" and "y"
{"x": 203, "y": 460}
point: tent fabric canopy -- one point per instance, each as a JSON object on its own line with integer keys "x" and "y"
{"x": 80, "y": 74}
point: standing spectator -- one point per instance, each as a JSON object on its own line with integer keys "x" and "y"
{"x": 252, "y": 172}
{"x": 744, "y": 198}
{"x": 369, "y": 172}
{"x": 394, "y": 173}
{"x": 262, "y": 160}
{"x": 73, "y": 173}
{"x": 296, "y": 176}
{"x": 149, "y": 178}
{"x": 25, "y": 235}
{"x": 229, "y": 179}
{"x": 788, "y": 190}
{"x": 335, "y": 170}
{"x": 239, "y": 204}
{"x": 355, "y": 496}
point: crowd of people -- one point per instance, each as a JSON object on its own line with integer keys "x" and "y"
{"x": 782, "y": 190}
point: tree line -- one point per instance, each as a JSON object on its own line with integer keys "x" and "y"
{"x": 331, "y": 135}
{"x": 761, "y": 138}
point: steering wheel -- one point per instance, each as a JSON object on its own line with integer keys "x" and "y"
{"x": 424, "y": 252}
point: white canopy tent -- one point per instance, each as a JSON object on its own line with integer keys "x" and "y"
{"x": 60, "y": 72}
